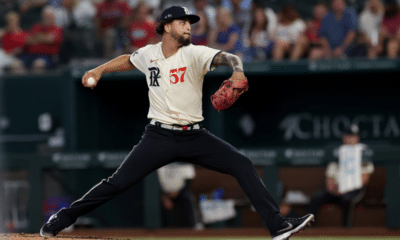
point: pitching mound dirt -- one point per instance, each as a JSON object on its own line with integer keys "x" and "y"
{"x": 125, "y": 234}
{"x": 25, "y": 236}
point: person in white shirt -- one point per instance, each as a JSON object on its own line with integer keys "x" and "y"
{"x": 262, "y": 27}
{"x": 175, "y": 70}
{"x": 175, "y": 181}
{"x": 346, "y": 180}
{"x": 289, "y": 29}
{"x": 77, "y": 20}
{"x": 78, "y": 13}
{"x": 370, "y": 26}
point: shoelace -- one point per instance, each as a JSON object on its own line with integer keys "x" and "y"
{"x": 294, "y": 219}
{"x": 290, "y": 219}
{"x": 53, "y": 221}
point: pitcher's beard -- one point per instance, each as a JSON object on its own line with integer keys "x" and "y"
{"x": 183, "y": 41}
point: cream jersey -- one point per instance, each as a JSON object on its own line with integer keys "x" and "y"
{"x": 175, "y": 83}
{"x": 172, "y": 177}
{"x": 352, "y": 164}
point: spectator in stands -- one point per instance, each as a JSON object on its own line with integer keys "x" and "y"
{"x": 27, "y": 5}
{"x": 216, "y": 3}
{"x": 228, "y": 35}
{"x": 272, "y": 18}
{"x": 289, "y": 29}
{"x": 55, "y": 3}
{"x": 202, "y": 7}
{"x": 77, "y": 20}
{"x": 242, "y": 4}
{"x": 7, "y": 6}
{"x": 310, "y": 37}
{"x": 201, "y": 30}
{"x": 112, "y": 21}
{"x": 111, "y": 14}
{"x": 346, "y": 180}
{"x": 390, "y": 29}
{"x": 170, "y": 3}
{"x": 31, "y": 11}
{"x": 337, "y": 33}
{"x": 13, "y": 39}
{"x": 44, "y": 43}
{"x": 241, "y": 9}
{"x": 73, "y": 14}
{"x": 153, "y": 5}
{"x": 260, "y": 39}
{"x": 141, "y": 30}
{"x": 370, "y": 22}
{"x": 97, "y": 2}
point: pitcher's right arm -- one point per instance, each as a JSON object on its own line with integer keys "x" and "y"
{"x": 118, "y": 64}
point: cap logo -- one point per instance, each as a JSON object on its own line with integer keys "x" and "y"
{"x": 186, "y": 10}
{"x": 169, "y": 15}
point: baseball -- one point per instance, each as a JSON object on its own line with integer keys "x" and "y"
{"x": 90, "y": 81}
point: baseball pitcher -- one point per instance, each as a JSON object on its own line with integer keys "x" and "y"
{"x": 174, "y": 70}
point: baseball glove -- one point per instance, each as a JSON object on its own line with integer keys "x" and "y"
{"x": 226, "y": 95}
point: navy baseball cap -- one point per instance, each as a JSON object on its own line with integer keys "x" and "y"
{"x": 176, "y": 12}
{"x": 351, "y": 130}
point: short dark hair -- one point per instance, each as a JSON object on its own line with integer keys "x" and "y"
{"x": 289, "y": 13}
{"x": 160, "y": 26}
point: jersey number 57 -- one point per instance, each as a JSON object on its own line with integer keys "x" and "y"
{"x": 175, "y": 73}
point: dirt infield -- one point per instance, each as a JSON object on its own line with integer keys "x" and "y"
{"x": 25, "y": 236}
{"x": 108, "y": 234}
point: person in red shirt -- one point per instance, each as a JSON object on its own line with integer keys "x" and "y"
{"x": 13, "y": 40}
{"x": 44, "y": 43}
{"x": 390, "y": 30}
{"x": 141, "y": 30}
{"x": 310, "y": 36}
{"x": 112, "y": 19}
{"x": 110, "y": 13}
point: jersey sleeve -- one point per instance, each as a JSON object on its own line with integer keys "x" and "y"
{"x": 138, "y": 59}
{"x": 204, "y": 56}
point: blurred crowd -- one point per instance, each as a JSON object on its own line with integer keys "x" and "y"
{"x": 36, "y": 35}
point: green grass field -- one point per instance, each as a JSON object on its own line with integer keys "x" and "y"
{"x": 259, "y": 238}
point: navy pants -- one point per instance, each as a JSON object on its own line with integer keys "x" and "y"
{"x": 347, "y": 201}
{"x": 183, "y": 207}
{"x": 159, "y": 147}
